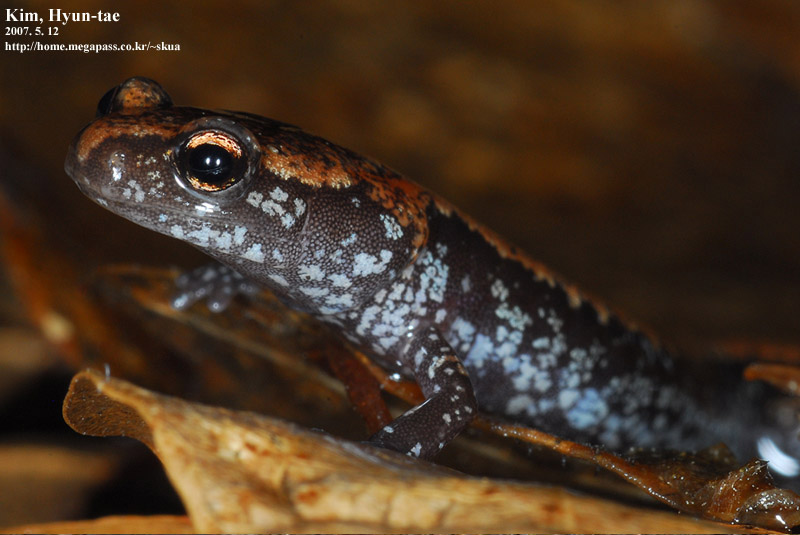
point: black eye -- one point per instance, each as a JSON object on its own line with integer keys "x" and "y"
{"x": 212, "y": 161}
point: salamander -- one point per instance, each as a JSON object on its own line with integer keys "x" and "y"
{"x": 411, "y": 281}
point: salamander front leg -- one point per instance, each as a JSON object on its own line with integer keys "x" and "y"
{"x": 449, "y": 406}
{"x": 216, "y": 283}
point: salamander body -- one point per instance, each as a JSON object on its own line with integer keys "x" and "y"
{"x": 408, "y": 279}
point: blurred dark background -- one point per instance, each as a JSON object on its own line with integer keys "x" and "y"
{"x": 645, "y": 150}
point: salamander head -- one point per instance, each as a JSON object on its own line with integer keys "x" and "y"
{"x": 321, "y": 226}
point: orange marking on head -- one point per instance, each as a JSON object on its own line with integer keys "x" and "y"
{"x": 308, "y": 171}
{"x": 117, "y": 126}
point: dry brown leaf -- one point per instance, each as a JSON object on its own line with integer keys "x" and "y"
{"x": 239, "y": 471}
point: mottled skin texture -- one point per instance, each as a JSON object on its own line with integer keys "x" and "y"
{"x": 406, "y": 278}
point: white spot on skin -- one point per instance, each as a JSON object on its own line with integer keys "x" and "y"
{"x": 238, "y": 235}
{"x": 499, "y": 290}
{"x": 464, "y": 330}
{"x": 393, "y": 230}
{"x": 200, "y": 236}
{"x": 409, "y": 295}
{"x": 162, "y": 218}
{"x": 527, "y": 375}
{"x": 138, "y": 191}
{"x": 515, "y": 316}
{"x": 416, "y": 450}
{"x": 336, "y": 257}
{"x": 567, "y": 398}
{"x": 310, "y": 272}
{"x": 350, "y": 240}
{"x": 203, "y": 235}
{"x": 369, "y": 316}
{"x": 254, "y": 199}
{"x": 419, "y": 358}
{"x": 388, "y": 342}
{"x": 541, "y": 343}
{"x": 441, "y": 314}
{"x": 435, "y": 366}
{"x": 366, "y": 264}
{"x": 339, "y": 280}
{"x": 287, "y": 220}
{"x": 393, "y": 321}
{"x": 432, "y": 279}
{"x": 546, "y": 405}
{"x": 518, "y": 404}
{"x": 397, "y": 291}
{"x": 224, "y": 241}
{"x": 272, "y": 208}
{"x": 546, "y": 360}
{"x": 554, "y": 321}
{"x": 446, "y": 417}
{"x": 277, "y": 255}
{"x": 466, "y": 284}
{"x": 254, "y": 253}
{"x": 589, "y": 410}
{"x": 481, "y": 351}
{"x": 176, "y": 231}
{"x": 279, "y": 195}
{"x": 299, "y": 207}
{"x": 344, "y": 300}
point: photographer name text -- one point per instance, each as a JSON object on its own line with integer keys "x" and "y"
{"x": 58, "y": 15}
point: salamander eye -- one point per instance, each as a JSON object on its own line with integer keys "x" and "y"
{"x": 215, "y": 159}
{"x": 212, "y": 161}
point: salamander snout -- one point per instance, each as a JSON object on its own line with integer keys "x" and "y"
{"x": 133, "y": 94}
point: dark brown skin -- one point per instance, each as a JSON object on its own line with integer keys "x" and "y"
{"x": 419, "y": 287}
